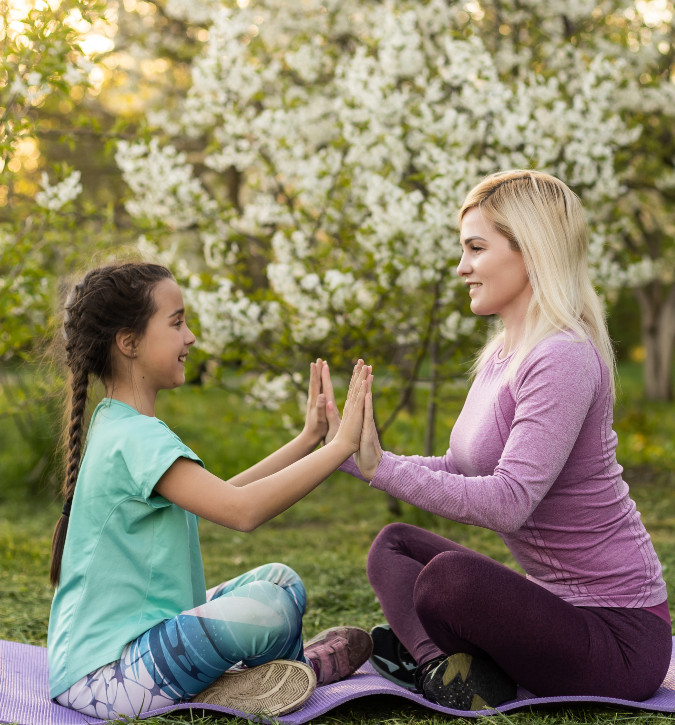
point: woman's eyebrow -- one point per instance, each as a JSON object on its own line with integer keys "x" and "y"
{"x": 468, "y": 240}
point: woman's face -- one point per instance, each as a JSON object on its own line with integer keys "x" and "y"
{"x": 493, "y": 271}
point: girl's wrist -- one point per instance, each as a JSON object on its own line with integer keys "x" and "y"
{"x": 345, "y": 449}
{"x": 310, "y": 439}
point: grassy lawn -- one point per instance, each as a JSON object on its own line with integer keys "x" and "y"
{"x": 326, "y": 536}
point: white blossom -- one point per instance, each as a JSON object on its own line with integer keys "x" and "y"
{"x": 56, "y": 196}
{"x": 354, "y": 157}
{"x": 163, "y": 185}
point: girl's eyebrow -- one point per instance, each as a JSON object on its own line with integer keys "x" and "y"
{"x": 177, "y": 312}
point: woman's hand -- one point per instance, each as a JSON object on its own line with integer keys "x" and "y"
{"x": 370, "y": 451}
{"x": 351, "y": 425}
{"x": 316, "y": 422}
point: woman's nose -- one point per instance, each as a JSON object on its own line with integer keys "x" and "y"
{"x": 463, "y": 267}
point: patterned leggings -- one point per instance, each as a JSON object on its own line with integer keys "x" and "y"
{"x": 252, "y": 619}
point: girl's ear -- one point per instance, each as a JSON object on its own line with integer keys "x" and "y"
{"x": 125, "y": 342}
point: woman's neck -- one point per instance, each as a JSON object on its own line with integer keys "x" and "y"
{"x": 514, "y": 333}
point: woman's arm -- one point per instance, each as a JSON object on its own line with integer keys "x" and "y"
{"x": 553, "y": 398}
{"x": 304, "y": 443}
{"x": 434, "y": 463}
{"x": 244, "y": 508}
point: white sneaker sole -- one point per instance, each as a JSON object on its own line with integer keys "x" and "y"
{"x": 275, "y": 688}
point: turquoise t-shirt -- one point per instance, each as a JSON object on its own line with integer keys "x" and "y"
{"x": 131, "y": 558}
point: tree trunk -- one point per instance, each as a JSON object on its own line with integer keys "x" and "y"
{"x": 430, "y": 433}
{"x": 657, "y": 307}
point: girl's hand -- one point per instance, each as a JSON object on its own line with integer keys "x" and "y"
{"x": 351, "y": 425}
{"x": 316, "y": 422}
{"x": 332, "y": 414}
{"x": 370, "y": 451}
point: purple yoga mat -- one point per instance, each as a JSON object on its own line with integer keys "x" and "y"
{"x": 24, "y": 697}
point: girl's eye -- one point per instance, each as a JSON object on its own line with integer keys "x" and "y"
{"x": 178, "y": 323}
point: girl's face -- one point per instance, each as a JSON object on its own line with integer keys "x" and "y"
{"x": 159, "y": 363}
{"x": 493, "y": 271}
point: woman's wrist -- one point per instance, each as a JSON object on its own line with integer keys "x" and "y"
{"x": 373, "y": 469}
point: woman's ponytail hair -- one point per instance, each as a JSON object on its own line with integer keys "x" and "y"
{"x": 107, "y": 300}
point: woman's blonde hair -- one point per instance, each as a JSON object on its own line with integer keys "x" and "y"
{"x": 544, "y": 220}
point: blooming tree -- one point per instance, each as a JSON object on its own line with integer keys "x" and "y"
{"x": 41, "y": 63}
{"x": 320, "y": 156}
{"x": 637, "y": 37}
{"x": 42, "y": 67}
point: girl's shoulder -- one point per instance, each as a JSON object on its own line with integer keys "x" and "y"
{"x": 120, "y": 421}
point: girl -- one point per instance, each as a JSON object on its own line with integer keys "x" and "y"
{"x": 532, "y": 457}
{"x": 132, "y": 627}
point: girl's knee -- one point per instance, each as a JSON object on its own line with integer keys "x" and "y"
{"x": 278, "y": 575}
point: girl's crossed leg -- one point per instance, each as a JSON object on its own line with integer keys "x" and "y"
{"x": 252, "y": 619}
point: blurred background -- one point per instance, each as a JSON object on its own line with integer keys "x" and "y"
{"x": 299, "y": 166}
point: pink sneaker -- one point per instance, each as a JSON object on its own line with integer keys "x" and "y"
{"x": 338, "y": 652}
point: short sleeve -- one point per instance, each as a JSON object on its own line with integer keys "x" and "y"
{"x": 149, "y": 449}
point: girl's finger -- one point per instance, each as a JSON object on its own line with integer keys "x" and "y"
{"x": 355, "y": 375}
{"x": 332, "y": 412}
{"x": 321, "y": 407}
{"x": 314, "y": 381}
{"x": 326, "y": 382}
{"x": 357, "y": 401}
{"x": 359, "y": 374}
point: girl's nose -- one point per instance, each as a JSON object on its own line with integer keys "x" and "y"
{"x": 191, "y": 339}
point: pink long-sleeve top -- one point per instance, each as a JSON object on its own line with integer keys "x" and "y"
{"x": 534, "y": 460}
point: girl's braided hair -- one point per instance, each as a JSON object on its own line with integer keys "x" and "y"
{"x": 107, "y": 300}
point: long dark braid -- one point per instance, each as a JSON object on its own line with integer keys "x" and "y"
{"x": 106, "y": 301}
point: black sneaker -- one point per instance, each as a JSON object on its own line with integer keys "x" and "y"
{"x": 391, "y": 659}
{"x": 464, "y": 682}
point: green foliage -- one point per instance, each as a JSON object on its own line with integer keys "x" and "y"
{"x": 43, "y": 235}
{"x": 40, "y": 58}
{"x": 646, "y": 429}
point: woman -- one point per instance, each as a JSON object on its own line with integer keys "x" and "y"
{"x": 532, "y": 457}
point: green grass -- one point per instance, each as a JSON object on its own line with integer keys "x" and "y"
{"x": 326, "y": 536}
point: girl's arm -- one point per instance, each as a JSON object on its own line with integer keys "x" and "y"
{"x": 365, "y": 473}
{"x": 244, "y": 508}
{"x": 304, "y": 443}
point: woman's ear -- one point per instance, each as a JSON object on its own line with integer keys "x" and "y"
{"x": 125, "y": 342}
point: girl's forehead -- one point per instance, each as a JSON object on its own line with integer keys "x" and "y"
{"x": 167, "y": 293}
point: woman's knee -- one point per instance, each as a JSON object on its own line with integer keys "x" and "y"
{"x": 387, "y": 541}
{"x": 450, "y": 581}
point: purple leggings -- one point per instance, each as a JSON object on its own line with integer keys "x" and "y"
{"x": 441, "y": 598}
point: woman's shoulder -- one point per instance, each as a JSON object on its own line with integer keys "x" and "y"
{"x": 564, "y": 354}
